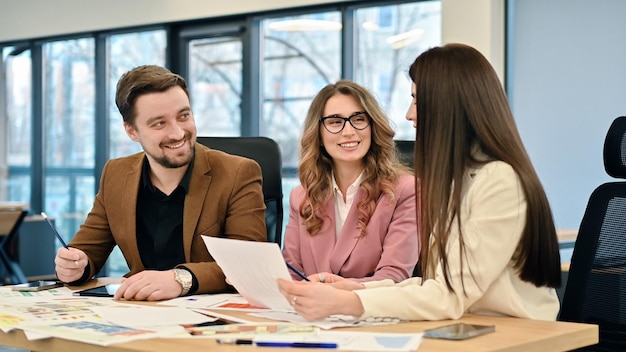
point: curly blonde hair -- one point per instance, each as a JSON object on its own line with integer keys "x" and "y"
{"x": 382, "y": 165}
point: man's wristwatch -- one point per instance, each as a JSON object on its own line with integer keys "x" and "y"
{"x": 184, "y": 278}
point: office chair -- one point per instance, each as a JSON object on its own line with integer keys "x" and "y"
{"x": 10, "y": 270}
{"x": 596, "y": 286}
{"x": 266, "y": 152}
{"x": 405, "y": 151}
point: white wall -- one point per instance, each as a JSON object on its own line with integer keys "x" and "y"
{"x": 479, "y": 23}
{"x": 567, "y": 74}
{"x": 20, "y": 19}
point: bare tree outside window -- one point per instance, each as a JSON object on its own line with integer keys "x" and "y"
{"x": 68, "y": 124}
{"x": 215, "y": 67}
{"x": 127, "y": 51}
{"x": 15, "y": 124}
{"x": 301, "y": 55}
{"x": 389, "y": 39}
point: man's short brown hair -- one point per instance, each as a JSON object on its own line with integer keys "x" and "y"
{"x": 142, "y": 80}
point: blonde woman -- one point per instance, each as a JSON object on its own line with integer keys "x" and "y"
{"x": 354, "y": 213}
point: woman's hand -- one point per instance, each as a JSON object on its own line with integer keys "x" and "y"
{"x": 336, "y": 281}
{"x": 314, "y": 301}
{"x": 325, "y": 278}
{"x": 348, "y": 285}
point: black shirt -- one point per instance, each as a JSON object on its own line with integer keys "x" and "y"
{"x": 160, "y": 222}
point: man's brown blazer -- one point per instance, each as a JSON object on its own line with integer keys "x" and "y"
{"x": 225, "y": 198}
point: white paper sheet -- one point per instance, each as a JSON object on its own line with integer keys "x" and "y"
{"x": 202, "y": 300}
{"x": 293, "y": 317}
{"x": 95, "y": 331}
{"x": 59, "y": 292}
{"x": 142, "y": 316}
{"x": 331, "y": 322}
{"x": 252, "y": 268}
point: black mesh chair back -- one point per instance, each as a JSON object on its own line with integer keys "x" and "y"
{"x": 266, "y": 153}
{"x": 596, "y": 286}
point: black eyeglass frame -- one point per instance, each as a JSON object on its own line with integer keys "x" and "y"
{"x": 346, "y": 119}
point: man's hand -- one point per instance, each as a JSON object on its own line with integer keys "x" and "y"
{"x": 149, "y": 285}
{"x": 70, "y": 264}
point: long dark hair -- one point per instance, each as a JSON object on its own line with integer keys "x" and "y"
{"x": 461, "y": 105}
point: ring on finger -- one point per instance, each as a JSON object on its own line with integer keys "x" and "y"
{"x": 321, "y": 277}
{"x": 294, "y": 300}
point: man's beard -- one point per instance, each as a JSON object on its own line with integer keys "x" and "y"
{"x": 171, "y": 164}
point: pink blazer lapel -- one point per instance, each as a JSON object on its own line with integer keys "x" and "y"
{"x": 348, "y": 238}
{"x": 323, "y": 243}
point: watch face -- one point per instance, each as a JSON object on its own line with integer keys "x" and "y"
{"x": 184, "y": 278}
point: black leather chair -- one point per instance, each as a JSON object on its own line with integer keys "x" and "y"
{"x": 266, "y": 152}
{"x": 405, "y": 151}
{"x": 10, "y": 220}
{"x": 596, "y": 286}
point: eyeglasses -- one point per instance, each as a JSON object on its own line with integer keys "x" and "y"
{"x": 335, "y": 123}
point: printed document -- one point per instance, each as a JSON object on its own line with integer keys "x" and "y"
{"x": 252, "y": 268}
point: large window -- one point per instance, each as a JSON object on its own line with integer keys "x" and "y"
{"x": 215, "y": 79}
{"x": 15, "y": 125}
{"x": 301, "y": 54}
{"x": 125, "y": 52}
{"x": 389, "y": 39}
{"x": 248, "y": 75}
{"x": 69, "y": 133}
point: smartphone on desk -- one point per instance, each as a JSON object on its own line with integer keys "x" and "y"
{"x": 459, "y": 331}
{"x": 107, "y": 290}
{"x": 34, "y": 286}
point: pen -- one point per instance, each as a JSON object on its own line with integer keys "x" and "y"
{"x": 297, "y": 272}
{"x": 278, "y": 343}
{"x": 54, "y": 229}
{"x": 297, "y": 344}
{"x": 45, "y": 217}
{"x": 231, "y": 341}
